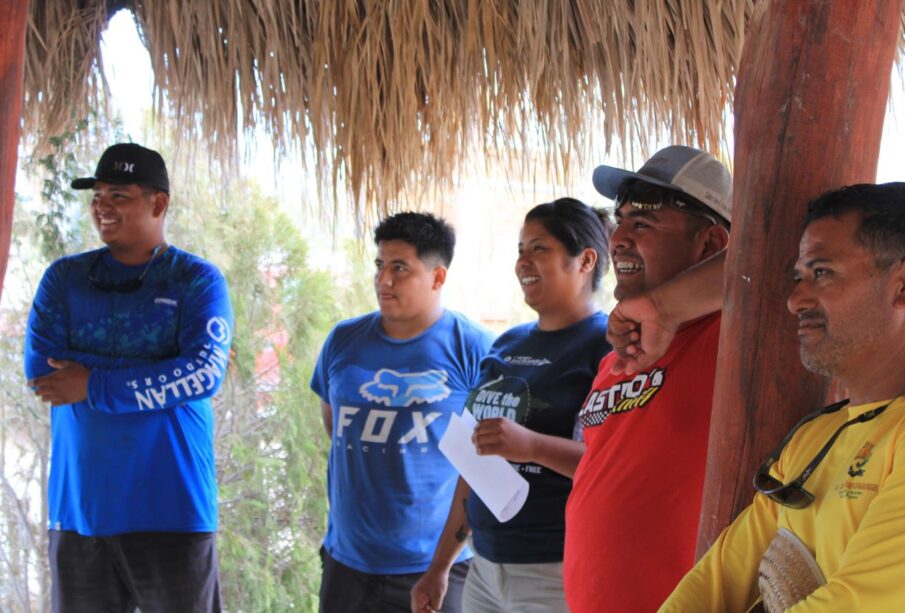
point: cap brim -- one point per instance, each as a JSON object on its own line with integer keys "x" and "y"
{"x": 608, "y": 179}
{"x": 88, "y": 182}
{"x": 83, "y": 183}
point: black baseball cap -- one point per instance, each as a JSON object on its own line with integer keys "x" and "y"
{"x": 128, "y": 163}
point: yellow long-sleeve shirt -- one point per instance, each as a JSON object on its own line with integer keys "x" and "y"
{"x": 855, "y": 527}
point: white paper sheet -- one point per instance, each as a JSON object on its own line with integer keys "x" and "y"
{"x": 491, "y": 477}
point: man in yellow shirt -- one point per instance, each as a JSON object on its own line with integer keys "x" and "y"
{"x": 837, "y": 482}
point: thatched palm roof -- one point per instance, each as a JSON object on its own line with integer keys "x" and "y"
{"x": 391, "y": 93}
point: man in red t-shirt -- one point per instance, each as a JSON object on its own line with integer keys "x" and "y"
{"x": 632, "y": 516}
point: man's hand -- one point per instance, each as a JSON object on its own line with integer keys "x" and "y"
{"x": 504, "y": 437}
{"x": 67, "y": 385}
{"x": 639, "y": 333}
{"x": 427, "y": 595}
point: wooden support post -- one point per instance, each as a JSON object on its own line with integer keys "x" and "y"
{"x": 13, "y": 14}
{"x": 812, "y": 90}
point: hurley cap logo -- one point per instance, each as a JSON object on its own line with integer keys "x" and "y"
{"x": 124, "y": 166}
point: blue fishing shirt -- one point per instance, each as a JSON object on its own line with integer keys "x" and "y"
{"x": 137, "y": 455}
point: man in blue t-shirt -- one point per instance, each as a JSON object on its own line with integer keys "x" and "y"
{"x": 128, "y": 343}
{"x": 389, "y": 382}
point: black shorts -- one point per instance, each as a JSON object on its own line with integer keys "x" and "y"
{"x": 155, "y": 571}
{"x": 345, "y": 589}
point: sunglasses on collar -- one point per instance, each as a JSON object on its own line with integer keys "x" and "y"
{"x": 123, "y": 287}
{"x": 793, "y": 494}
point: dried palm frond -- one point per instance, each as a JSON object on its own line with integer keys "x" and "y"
{"x": 63, "y": 72}
{"x": 386, "y": 97}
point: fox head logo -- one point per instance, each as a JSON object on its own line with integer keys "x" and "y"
{"x": 395, "y": 389}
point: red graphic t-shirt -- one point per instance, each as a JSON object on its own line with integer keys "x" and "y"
{"x": 632, "y": 516}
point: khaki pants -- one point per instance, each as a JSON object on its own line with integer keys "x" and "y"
{"x": 513, "y": 588}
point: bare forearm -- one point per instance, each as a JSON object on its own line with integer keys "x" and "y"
{"x": 694, "y": 293}
{"x": 558, "y": 454}
{"x": 455, "y": 532}
{"x": 516, "y": 443}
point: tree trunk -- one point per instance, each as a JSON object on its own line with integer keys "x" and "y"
{"x": 12, "y": 66}
{"x": 813, "y": 84}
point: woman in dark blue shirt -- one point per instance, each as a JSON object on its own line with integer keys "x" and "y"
{"x": 531, "y": 388}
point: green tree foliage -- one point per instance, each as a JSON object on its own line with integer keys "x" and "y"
{"x": 24, "y": 454}
{"x": 271, "y": 445}
{"x": 44, "y": 228}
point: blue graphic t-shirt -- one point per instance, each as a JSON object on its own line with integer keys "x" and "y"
{"x": 538, "y": 379}
{"x": 389, "y": 485}
{"x": 138, "y": 454}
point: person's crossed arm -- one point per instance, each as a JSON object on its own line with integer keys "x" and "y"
{"x": 109, "y": 384}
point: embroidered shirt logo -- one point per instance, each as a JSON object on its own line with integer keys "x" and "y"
{"x": 395, "y": 389}
{"x": 621, "y": 397}
{"x": 166, "y": 301}
{"x": 856, "y": 469}
{"x": 854, "y": 490}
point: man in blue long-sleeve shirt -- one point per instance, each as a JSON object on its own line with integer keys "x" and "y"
{"x": 128, "y": 343}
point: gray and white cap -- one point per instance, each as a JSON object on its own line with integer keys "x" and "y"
{"x": 686, "y": 170}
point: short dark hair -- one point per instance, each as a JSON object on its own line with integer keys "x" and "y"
{"x": 430, "y": 236}
{"x": 882, "y": 212}
{"x": 578, "y": 227}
